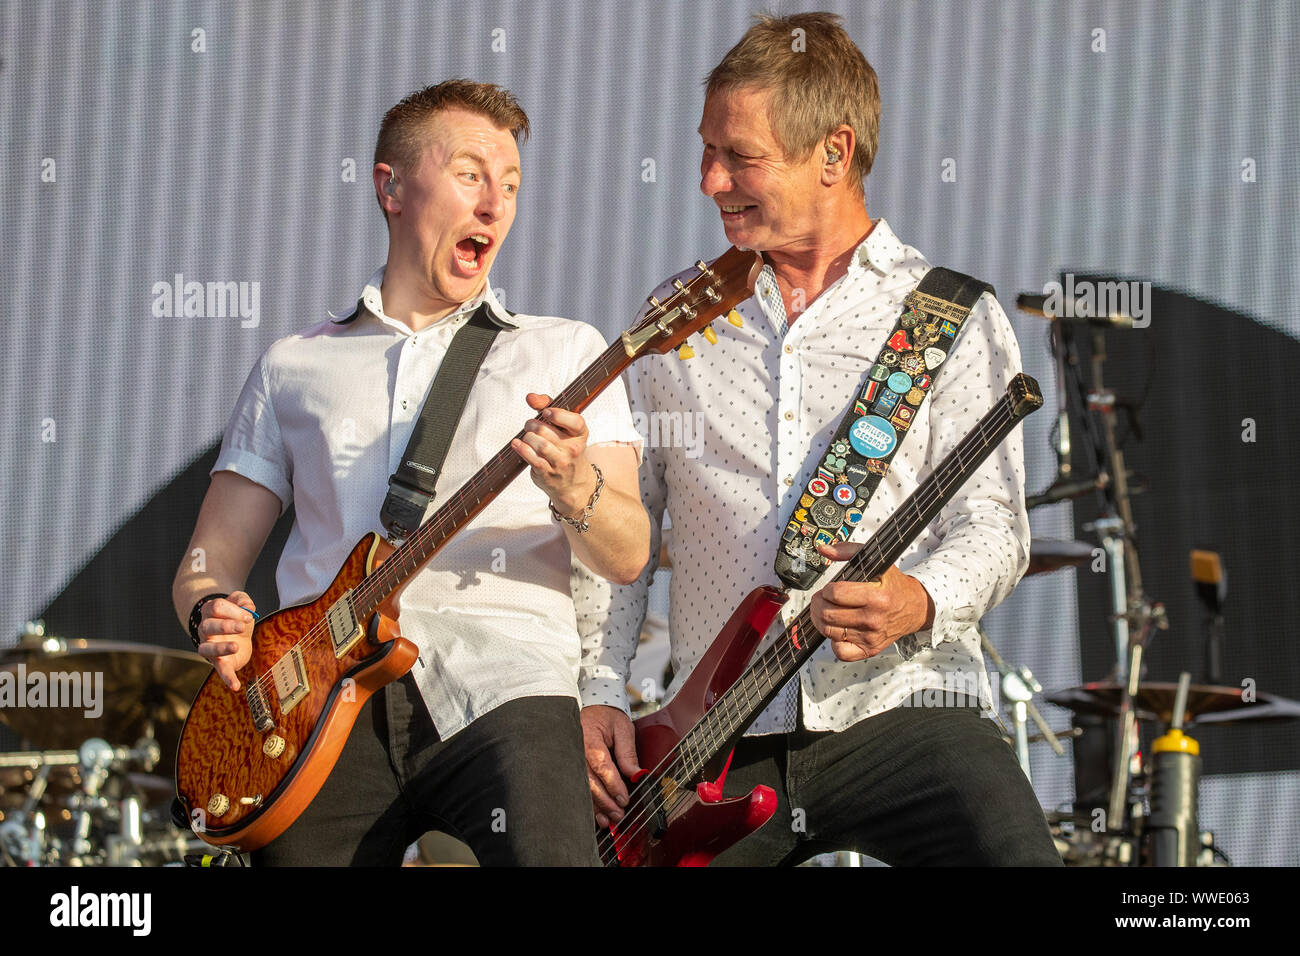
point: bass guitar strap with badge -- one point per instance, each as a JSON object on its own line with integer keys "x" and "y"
{"x": 870, "y": 434}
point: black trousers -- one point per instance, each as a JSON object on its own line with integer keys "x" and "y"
{"x": 915, "y": 786}
{"x": 512, "y": 785}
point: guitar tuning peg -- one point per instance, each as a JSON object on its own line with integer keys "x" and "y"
{"x": 710, "y": 336}
{"x": 685, "y": 352}
{"x": 734, "y": 318}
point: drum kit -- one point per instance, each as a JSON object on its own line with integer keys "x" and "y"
{"x": 1150, "y": 818}
{"x": 98, "y": 790}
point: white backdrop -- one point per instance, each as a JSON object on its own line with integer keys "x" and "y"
{"x": 216, "y": 140}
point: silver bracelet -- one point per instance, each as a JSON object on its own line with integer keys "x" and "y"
{"x": 580, "y": 523}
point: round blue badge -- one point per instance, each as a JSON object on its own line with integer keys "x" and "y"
{"x": 873, "y": 436}
{"x": 844, "y": 494}
{"x": 900, "y": 382}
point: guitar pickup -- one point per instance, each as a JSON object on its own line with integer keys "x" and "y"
{"x": 345, "y": 629}
{"x": 290, "y": 676}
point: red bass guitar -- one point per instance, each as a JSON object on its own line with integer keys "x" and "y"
{"x": 676, "y": 815}
{"x": 250, "y": 761}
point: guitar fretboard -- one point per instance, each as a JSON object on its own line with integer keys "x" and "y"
{"x": 737, "y": 708}
{"x": 486, "y": 484}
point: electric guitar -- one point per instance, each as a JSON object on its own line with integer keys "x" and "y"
{"x": 250, "y": 761}
{"x": 675, "y": 815}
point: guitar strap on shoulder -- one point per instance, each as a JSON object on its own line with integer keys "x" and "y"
{"x": 411, "y": 488}
{"x": 871, "y": 432}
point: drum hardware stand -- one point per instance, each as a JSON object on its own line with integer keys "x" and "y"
{"x": 220, "y": 857}
{"x": 1019, "y": 687}
{"x": 1133, "y": 615}
{"x": 1175, "y": 838}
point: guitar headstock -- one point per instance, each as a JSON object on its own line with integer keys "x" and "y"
{"x": 1025, "y": 395}
{"x": 712, "y": 292}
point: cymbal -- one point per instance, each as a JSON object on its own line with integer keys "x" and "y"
{"x": 155, "y": 791}
{"x": 144, "y": 691}
{"x": 64, "y": 781}
{"x": 1155, "y": 701}
{"x": 1052, "y": 554}
{"x": 16, "y": 781}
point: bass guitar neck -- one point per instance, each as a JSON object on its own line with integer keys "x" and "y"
{"x": 675, "y": 814}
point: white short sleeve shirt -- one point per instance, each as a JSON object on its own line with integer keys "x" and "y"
{"x": 322, "y": 422}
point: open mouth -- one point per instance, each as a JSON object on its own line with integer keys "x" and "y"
{"x": 471, "y": 251}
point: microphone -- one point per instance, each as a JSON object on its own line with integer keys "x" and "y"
{"x": 1072, "y": 309}
{"x": 1211, "y": 583}
{"x": 1211, "y": 580}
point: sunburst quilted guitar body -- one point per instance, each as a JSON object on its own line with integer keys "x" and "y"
{"x": 242, "y": 785}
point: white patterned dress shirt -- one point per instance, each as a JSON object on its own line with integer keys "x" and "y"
{"x": 323, "y": 421}
{"x": 768, "y": 400}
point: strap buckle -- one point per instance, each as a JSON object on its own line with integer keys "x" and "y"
{"x": 403, "y": 509}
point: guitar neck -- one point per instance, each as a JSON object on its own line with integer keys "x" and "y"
{"x": 664, "y": 326}
{"x": 738, "y": 707}
{"x": 475, "y": 495}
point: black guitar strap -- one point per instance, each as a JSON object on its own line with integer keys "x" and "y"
{"x": 412, "y": 487}
{"x": 872, "y": 431}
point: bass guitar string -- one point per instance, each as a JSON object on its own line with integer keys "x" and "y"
{"x": 749, "y": 687}
{"x": 782, "y": 654}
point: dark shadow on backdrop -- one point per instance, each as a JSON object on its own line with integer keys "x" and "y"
{"x": 124, "y": 593}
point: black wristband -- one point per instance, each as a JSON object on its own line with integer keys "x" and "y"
{"x": 196, "y": 615}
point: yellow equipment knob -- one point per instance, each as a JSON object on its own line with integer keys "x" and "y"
{"x": 1175, "y": 741}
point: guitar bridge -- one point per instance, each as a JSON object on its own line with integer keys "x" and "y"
{"x": 258, "y": 707}
{"x": 290, "y": 676}
{"x": 345, "y": 629}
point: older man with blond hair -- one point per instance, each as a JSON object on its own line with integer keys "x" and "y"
{"x": 857, "y": 756}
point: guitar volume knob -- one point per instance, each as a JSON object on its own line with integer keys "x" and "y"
{"x": 273, "y": 746}
{"x": 218, "y": 804}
